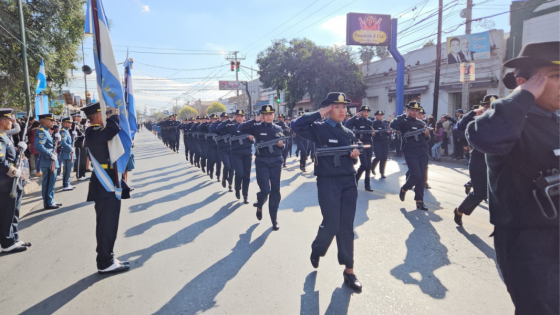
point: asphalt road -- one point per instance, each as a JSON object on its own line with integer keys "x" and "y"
{"x": 194, "y": 248}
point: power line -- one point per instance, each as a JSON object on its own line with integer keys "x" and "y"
{"x": 144, "y": 64}
{"x": 200, "y": 50}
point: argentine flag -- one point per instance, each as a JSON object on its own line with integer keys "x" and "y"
{"x": 42, "y": 79}
{"x": 129, "y": 92}
{"x": 108, "y": 82}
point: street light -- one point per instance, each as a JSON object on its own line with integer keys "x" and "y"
{"x": 50, "y": 82}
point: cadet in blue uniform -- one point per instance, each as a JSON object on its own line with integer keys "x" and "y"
{"x": 520, "y": 138}
{"x": 195, "y": 142}
{"x": 477, "y": 168}
{"x": 45, "y": 145}
{"x": 287, "y": 131}
{"x": 9, "y": 207}
{"x": 415, "y": 152}
{"x": 224, "y": 149}
{"x": 241, "y": 156}
{"x": 212, "y": 146}
{"x": 67, "y": 156}
{"x": 361, "y": 122}
{"x": 107, "y": 205}
{"x": 202, "y": 130}
{"x": 380, "y": 143}
{"x": 268, "y": 165}
{"x": 302, "y": 147}
{"x": 336, "y": 185}
{"x": 214, "y": 129}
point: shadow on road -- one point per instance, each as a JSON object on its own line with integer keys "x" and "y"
{"x": 37, "y": 216}
{"x": 198, "y": 295}
{"x": 340, "y": 301}
{"x": 174, "y": 196}
{"x": 482, "y": 246}
{"x": 310, "y": 298}
{"x": 425, "y": 254}
{"x": 157, "y": 169}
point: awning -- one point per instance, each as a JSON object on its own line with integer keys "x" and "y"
{"x": 473, "y": 85}
{"x": 414, "y": 90}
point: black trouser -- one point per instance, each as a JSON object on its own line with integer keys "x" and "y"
{"x": 107, "y": 212}
{"x": 268, "y": 171}
{"x": 186, "y": 143}
{"x": 302, "y": 148}
{"x": 289, "y": 146}
{"x": 203, "y": 153}
{"x": 311, "y": 150}
{"x": 225, "y": 156}
{"x": 192, "y": 150}
{"x": 242, "y": 165}
{"x": 445, "y": 145}
{"x": 81, "y": 161}
{"x": 9, "y": 218}
{"x": 285, "y": 152}
{"x": 479, "y": 182}
{"x": 196, "y": 152}
{"x": 337, "y": 198}
{"x": 458, "y": 147}
{"x": 218, "y": 160}
{"x": 177, "y": 141}
{"x": 528, "y": 260}
{"x": 211, "y": 155}
{"x": 417, "y": 162}
{"x": 381, "y": 150}
{"x": 365, "y": 166}
{"x": 398, "y": 145}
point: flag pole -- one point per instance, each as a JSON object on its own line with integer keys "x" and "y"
{"x": 98, "y": 44}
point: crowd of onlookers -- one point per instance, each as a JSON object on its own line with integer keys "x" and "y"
{"x": 446, "y": 139}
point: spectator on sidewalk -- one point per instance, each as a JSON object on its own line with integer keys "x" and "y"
{"x": 438, "y": 138}
{"x": 447, "y": 134}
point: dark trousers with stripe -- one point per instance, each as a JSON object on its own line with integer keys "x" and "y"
{"x": 417, "y": 162}
{"x": 66, "y": 172}
{"x": 268, "y": 171}
{"x": 338, "y": 196}
{"x": 107, "y": 212}
{"x": 9, "y": 218}
{"x": 47, "y": 186}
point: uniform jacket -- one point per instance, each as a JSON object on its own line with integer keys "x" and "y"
{"x": 44, "y": 144}
{"x": 221, "y": 130}
{"x": 380, "y": 136}
{"x": 360, "y": 123}
{"x": 7, "y": 158}
{"x": 405, "y": 124}
{"x": 66, "y": 143}
{"x": 232, "y": 129}
{"x": 263, "y": 132}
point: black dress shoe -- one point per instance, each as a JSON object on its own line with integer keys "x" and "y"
{"x": 245, "y": 200}
{"x": 284, "y": 165}
{"x": 369, "y": 189}
{"x": 230, "y": 189}
{"x": 58, "y": 204}
{"x": 383, "y": 176}
{"x": 302, "y": 168}
{"x": 352, "y": 282}
{"x": 218, "y": 178}
{"x": 421, "y": 206}
{"x": 402, "y": 194}
{"x": 203, "y": 170}
{"x": 52, "y": 207}
{"x": 427, "y": 186}
{"x": 224, "y": 183}
{"x": 211, "y": 176}
{"x": 467, "y": 188}
{"x": 259, "y": 213}
{"x": 238, "y": 194}
{"x": 315, "y": 261}
{"x": 114, "y": 268}
{"x": 458, "y": 218}
{"x": 275, "y": 226}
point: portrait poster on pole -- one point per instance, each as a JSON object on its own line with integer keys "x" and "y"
{"x": 368, "y": 29}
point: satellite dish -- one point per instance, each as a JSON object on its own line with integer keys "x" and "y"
{"x": 463, "y": 13}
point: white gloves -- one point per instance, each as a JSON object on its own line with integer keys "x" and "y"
{"x": 22, "y": 145}
{"x": 58, "y": 137}
{"x": 74, "y": 133}
{"x": 17, "y": 174}
{"x": 54, "y": 157}
{"x": 73, "y": 150}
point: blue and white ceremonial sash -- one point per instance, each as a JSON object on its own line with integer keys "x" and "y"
{"x": 104, "y": 178}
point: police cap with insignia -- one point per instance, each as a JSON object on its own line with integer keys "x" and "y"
{"x": 379, "y": 112}
{"x": 460, "y": 111}
{"x": 300, "y": 114}
{"x": 335, "y": 98}
{"x": 489, "y": 99}
{"x": 47, "y": 116}
{"x": 413, "y": 105}
{"x": 267, "y": 109}
{"x": 531, "y": 57}
{"x": 240, "y": 112}
{"x": 6, "y": 112}
{"x": 422, "y": 111}
{"x": 213, "y": 116}
{"x": 475, "y": 107}
{"x": 76, "y": 115}
{"x": 224, "y": 114}
{"x": 365, "y": 108}
{"x": 92, "y": 108}
{"x": 66, "y": 119}
{"x": 281, "y": 116}
{"x": 348, "y": 114}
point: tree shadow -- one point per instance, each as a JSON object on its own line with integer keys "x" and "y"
{"x": 37, "y": 216}
{"x": 310, "y": 298}
{"x": 182, "y": 237}
{"x": 425, "y": 254}
{"x": 199, "y": 294}
{"x": 174, "y": 196}
{"x": 56, "y": 301}
{"x": 482, "y": 246}
{"x": 172, "y": 216}
{"x": 340, "y": 301}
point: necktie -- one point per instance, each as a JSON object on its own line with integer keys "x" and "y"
{"x": 458, "y": 59}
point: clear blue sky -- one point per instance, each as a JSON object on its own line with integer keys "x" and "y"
{"x": 195, "y": 34}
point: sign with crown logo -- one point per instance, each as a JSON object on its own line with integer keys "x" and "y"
{"x": 368, "y": 29}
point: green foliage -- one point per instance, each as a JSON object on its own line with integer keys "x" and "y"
{"x": 429, "y": 43}
{"x": 299, "y": 67}
{"x": 187, "y": 111}
{"x": 216, "y": 107}
{"x": 366, "y": 55}
{"x": 58, "y": 109}
{"x": 54, "y": 32}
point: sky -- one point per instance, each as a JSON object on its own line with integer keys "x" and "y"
{"x": 180, "y": 46}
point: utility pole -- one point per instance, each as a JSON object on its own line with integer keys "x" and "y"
{"x": 466, "y": 83}
{"x": 233, "y": 57}
{"x": 85, "y": 75}
{"x": 438, "y": 61}
{"x": 24, "y": 56}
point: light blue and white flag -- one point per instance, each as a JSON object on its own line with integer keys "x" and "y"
{"x": 41, "y": 105}
{"x": 42, "y": 79}
{"x": 108, "y": 82}
{"x": 104, "y": 178}
{"x": 129, "y": 92}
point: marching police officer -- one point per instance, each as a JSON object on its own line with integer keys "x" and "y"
{"x": 268, "y": 165}
{"x": 380, "y": 143}
{"x": 195, "y": 142}
{"x": 287, "y": 131}
{"x": 9, "y": 207}
{"x": 290, "y": 134}
{"x": 48, "y": 159}
{"x": 202, "y": 130}
{"x": 67, "y": 156}
{"x": 336, "y": 185}
{"x": 212, "y": 147}
{"x": 520, "y": 138}
{"x": 241, "y": 155}
{"x": 302, "y": 147}
{"x": 216, "y": 151}
{"x": 224, "y": 149}
{"x": 415, "y": 153}
{"x": 107, "y": 205}
{"x": 361, "y": 123}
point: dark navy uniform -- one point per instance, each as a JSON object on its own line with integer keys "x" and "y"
{"x": 224, "y": 149}
{"x": 268, "y": 165}
{"x": 9, "y": 207}
{"x": 107, "y": 206}
{"x": 302, "y": 147}
{"x": 241, "y": 157}
{"x": 287, "y": 131}
{"x": 67, "y": 156}
{"x": 336, "y": 188}
{"x": 196, "y": 144}
{"x": 202, "y": 130}
{"x": 212, "y": 147}
{"x": 380, "y": 146}
{"x": 45, "y": 145}
{"x": 78, "y": 133}
{"x": 363, "y": 124}
{"x": 415, "y": 154}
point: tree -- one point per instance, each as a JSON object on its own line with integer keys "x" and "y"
{"x": 429, "y": 43}
{"x": 366, "y": 55}
{"x": 216, "y": 107}
{"x": 54, "y": 32}
{"x": 382, "y": 52}
{"x": 187, "y": 111}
